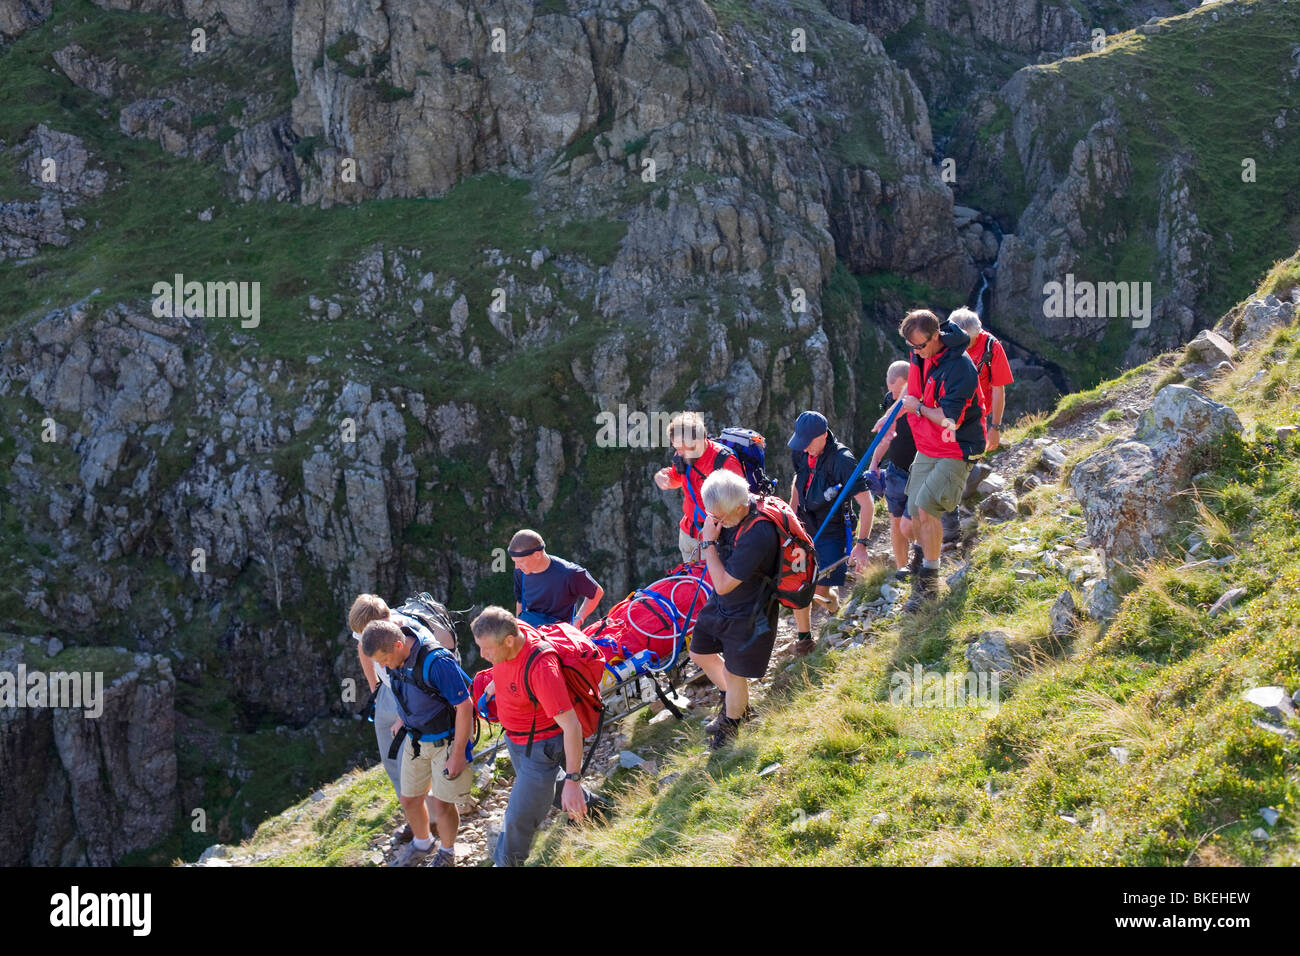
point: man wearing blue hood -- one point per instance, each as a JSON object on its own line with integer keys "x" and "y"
{"x": 822, "y": 465}
{"x": 948, "y": 425}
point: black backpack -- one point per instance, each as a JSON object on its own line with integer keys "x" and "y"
{"x": 433, "y": 615}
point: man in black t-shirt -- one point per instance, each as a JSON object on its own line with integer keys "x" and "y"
{"x": 901, "y": 449}
{"x": 736, "y": 630}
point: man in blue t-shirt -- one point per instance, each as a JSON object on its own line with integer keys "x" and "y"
{"x": 431, "y": 694}
{"x": 547, "y": 588}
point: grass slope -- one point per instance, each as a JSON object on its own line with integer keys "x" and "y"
{"x": 862, "y": 780}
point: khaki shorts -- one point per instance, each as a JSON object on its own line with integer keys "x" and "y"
{"x": 687, "y": 545}
{"x": 419, "y": 773}
{"x": 935, "y": 485}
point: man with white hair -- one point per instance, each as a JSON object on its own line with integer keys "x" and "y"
{"x": 994, "y": 372}
{"x": 736, "y": 630}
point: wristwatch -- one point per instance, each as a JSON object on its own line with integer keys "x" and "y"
{"x": 707, "y": 544}
{"x": 573, "y": 776}
{"x": 997, "y": 425}
{"x": 862, "y": 540}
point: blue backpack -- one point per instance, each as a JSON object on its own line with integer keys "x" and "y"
{"x": 749, "y": 447}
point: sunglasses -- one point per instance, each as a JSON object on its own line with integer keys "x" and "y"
{"x": 917, "y": 348}
{"x": 524, "y": 554}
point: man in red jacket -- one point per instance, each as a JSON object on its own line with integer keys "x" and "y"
{"x": 506, "y": 642}
{"x": 695, "y": 458}
{"x": 947, "y": 423}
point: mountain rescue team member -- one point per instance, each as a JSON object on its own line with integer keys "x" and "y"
{"x": 994, "y": 370}
{"x": 365, "y": 609}
{"x": 556, "y": 753}
{"x": 547, "y": 588}
{"x": 948, "y": 426}
{"x": 822, "y": 466}
{"x": 695, "y": 457}
{"x": 899, "y": 445}
{"x": 736, "y": 630}
{"x": 438, "y": 718}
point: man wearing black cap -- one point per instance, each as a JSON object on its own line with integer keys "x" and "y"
{"x": 822, "y": 466}
{"x": 547, "y": 588}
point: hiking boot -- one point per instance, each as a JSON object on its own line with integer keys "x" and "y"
{"x": 951, "y": 527}
{"x": 925, "y": 589}
{"x": 444, "y": 857}
{"x": 805, "y": 646}
{"x": 725, "y": 732}
{"x": 909, "y": 572}
{"x": 404, "y": 835}
{"x": 713, "y": 724}
{"x": 411, "y": 855}
{"x": 722, "y": 711}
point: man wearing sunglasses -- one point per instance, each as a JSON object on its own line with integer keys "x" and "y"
{"x": 547, "y": 588}
{"x": 948, "y": 426}
{"x": 695, "y": 457}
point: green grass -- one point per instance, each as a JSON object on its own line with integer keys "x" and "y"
{"x": 1282, "y": 278}
{"x": 1163, "y": 681}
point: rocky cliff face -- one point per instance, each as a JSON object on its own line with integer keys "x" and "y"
{"x": 85, "y": 790}
{"x": 690, "y": 216}
{"x": 1103, "y": 173}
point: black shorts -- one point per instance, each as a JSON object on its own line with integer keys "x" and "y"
{"x": 745, "y": 645}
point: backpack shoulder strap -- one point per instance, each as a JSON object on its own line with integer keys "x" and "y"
{"x": 418, "y": 666}
{"x": 987, "y": 358}
{"x": 541, "y": 648}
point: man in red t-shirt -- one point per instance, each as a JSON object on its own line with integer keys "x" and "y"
{"x": 506, "y": 642}
{"x": 695, "y": 457}
{"x": 990, "y": 360}
{"x": 994, "y": 374}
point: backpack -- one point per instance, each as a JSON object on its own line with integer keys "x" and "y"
{"x": 796, "y": 578}
{"x": 582, "y": 666}
{"x": 749, "y": 447}
{"x": 433, "y": 615}
{"x": 447, "y": 720}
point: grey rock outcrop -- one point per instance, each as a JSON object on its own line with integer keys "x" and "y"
{"x": 86, "y": 790}
{"x": 19, "y": 16}
{"x": 1128, "y": 490}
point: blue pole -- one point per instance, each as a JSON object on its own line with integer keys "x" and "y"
{"x": 866, "y": 458}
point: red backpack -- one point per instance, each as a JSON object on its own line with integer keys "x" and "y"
{"x": 582, "y": 665}
{"x": 795, "y": 580}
